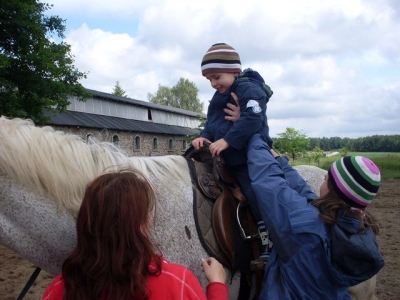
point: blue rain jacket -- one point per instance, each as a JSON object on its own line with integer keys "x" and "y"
{"x": 309, "y": 260}
{"x": 253, "y": 96}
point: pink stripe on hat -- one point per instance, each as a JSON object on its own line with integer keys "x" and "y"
{"x": 371, "y": 166}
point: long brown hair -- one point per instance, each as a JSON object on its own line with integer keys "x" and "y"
{"x": 114, "y": 250}
{"x": 330, "y": 204}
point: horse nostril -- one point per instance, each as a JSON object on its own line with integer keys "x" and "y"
{"x": 188, "y": 234}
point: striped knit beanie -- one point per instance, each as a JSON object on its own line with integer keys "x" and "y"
{"x": 221, "y": 58}
{"x": 355, "y": 179}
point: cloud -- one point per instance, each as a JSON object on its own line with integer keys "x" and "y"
{"x": 333, "y": 65}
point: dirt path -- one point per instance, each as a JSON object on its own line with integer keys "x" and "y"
{"x": 387, "y": 210}
{"x": 15, "y": 271}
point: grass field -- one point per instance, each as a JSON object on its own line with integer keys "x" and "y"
{"x": 388, "y": 163}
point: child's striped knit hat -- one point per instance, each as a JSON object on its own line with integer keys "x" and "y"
{"x": 356, "y": 180}
{"x": 221, "y": 58}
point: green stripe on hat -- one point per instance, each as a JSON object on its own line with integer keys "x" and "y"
{"x": 353, "y": 187}
{"x": 361, "y": 190}
{"x": 363, "y": 170}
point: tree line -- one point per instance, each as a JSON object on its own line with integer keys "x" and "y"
{"x": 375, "y": 143}
{"x": 295, "y": 143}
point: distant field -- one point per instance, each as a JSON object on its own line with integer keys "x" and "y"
{"x": 388, "y": 163}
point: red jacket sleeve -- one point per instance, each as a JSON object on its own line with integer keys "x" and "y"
{"x": 55, "y": 290}
{"x": 192, "y": 287}
{"x": 217, "y": 291}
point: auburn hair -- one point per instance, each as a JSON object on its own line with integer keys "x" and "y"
{"x": 114, "y": 250}
{"x": 330, "y": 204}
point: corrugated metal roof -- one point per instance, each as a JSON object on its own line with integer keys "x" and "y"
{"x": 74, "y": 118}
{"x": 145, "y": 104}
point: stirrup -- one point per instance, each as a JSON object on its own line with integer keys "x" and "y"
{"x": 242, "y": 232}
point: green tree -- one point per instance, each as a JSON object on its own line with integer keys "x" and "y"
{"x": 182, "y": 95}
{"x": 36, "y": 73}
{"x": 118, "y": 91}
{"x": 316, "y": 154}
{"x": 343, "y": 151}
{"x": 292, "y": 142}
{"x": 199, "y": 128}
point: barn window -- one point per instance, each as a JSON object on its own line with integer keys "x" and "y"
{"x": 115, "y": 140}
{"x": 136, "y": 143}
{"x": 155, "y": 146}
{"x": 89, "y": 139}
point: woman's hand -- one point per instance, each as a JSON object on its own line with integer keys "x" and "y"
{"x": 232, "y": 111}
{"x": 213, "y": 270}
{"x": 274, "y": 153}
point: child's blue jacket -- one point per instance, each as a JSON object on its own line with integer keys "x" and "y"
{"x": 253, "y": 96}
{"x": 309, "y": 260}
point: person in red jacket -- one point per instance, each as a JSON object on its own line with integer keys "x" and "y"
{"x": 115, "y": 258}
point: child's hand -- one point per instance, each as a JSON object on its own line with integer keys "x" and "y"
{"x": 217, "y": 147}
{"x": 213, "y": 270}
{"x": 199, "y": 142}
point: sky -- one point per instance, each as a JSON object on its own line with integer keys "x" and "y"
{"x": 334, "y": 65}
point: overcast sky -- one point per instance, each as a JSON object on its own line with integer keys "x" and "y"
{"x": 334, "y": 66}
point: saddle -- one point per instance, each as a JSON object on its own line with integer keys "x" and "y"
{"x": 223, "y": 217}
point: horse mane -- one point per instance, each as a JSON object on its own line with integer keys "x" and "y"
{"x": 61, "y": 165}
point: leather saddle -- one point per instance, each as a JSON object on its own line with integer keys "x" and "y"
{"x": 223, "y": 218}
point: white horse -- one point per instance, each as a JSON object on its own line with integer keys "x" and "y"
{"x": 43, "y": 174}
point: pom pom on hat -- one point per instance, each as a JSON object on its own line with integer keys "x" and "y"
{"x": 221, "y": 58}
{"x": 355, "y": 179}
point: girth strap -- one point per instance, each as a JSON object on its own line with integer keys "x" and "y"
{"x": 29, "y": 284}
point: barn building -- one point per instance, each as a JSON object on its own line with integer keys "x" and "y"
{"x": 140, "y": 128}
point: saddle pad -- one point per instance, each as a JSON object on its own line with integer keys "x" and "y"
{"x": 202, "y": 210}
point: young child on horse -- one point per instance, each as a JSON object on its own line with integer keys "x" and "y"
{"x": 322, "y": 245}
{"x": 115, "y": 257}
{"x": 222, "y": 67}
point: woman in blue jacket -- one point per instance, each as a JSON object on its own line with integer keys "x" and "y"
{"x": 322, "y": 245}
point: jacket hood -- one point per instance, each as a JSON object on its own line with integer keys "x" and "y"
{"x": 354, "y": 254}
{"x": 254, "y": 76}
